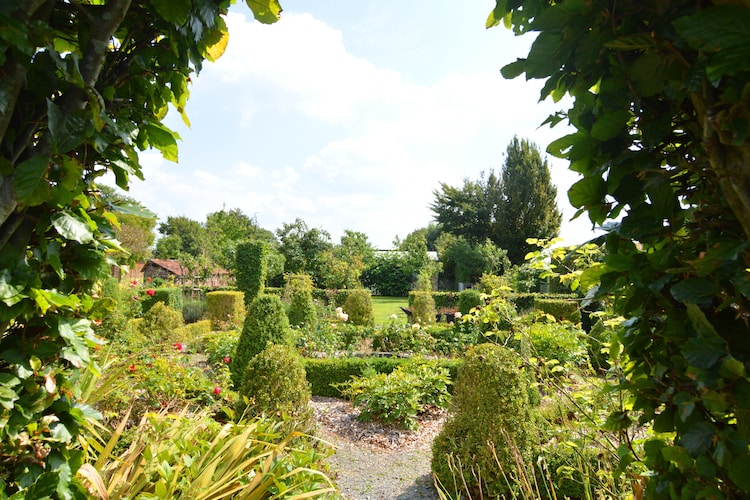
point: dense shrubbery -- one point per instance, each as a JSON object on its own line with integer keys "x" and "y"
{"x": 358, "y": 306}
{"x": 298, "y": 293}
{"x": 423, "y": 308}
{"x": 467, "y": 299}
{"x": 266, "y": 323}
{"x": 489, "y": 425}
{"x": 225, "y": 309}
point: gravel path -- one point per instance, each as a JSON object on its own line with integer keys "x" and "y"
{"x": 375, "y": 462}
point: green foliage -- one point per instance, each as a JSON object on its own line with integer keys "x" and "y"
{"x": 274, "y": 383}
{"x": 562, "y": 344}
{"x": 497, "y": 314}
{"x": 219, "y": 346}
{"x": 469, "y": 299}
{"x": 304, "y": 249}
{"x": 561, "y": 310}
{"x": 659, "y": 106}
{"x": 489, "y": 411}
{"x": 170, "y": 296}
{"x": 189, "y": 455}
{"x": 403, "y": 338}
{"x": 193, "y": 310}
{"x": 226, "y": 310}
{"x": 465, "y": 261}
{"x": 266, "y": 323}
{"x": 193, "y": 331}
{"x": 250, "y": 268}
{"x": 390, "y": 275}
{"x": 358, "y": 306}
{"x": 298, "y": 293}
{"x": 423, "y": 308}
{"x": 453, "y": 340}
{"x": 159, "y": 323}
{"x": 443, "y": 300}
{"x": 400, "y": 396}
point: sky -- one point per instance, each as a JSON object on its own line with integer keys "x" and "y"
{"x": 349, "y": 115}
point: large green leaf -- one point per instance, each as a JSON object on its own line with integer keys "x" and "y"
{"x": 704, "y": 352}
{"x": 698, "y": 438}
{"x": 695, "y": 291}
{"x": 610, "y": 124}
{"x": 723, "y": 30}
{"x": 738, "y": 472}
{"x": 72, "y": 228}
{"x": 163, "y": 139}
{"x": 174, "y": 11}
{"x": 265, "y": 11}
{"x": 588, "y": 191}
{"x": 68, "y": 130}
{"x": 29, "y": 183}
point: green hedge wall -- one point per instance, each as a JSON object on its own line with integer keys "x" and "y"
{"x": 443, "y": 300}
{"x": 561, "y": 309}
{"x": 170, "y": 296}
{"x": 324, "y": 373}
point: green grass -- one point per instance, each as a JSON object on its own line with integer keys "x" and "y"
{"x": 383, "y": 307}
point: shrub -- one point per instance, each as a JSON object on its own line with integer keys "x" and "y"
{"x": 275, "y": 383}
{"x": 453, "y": 340}
{"x": 171, "y": 296}
{"x": 225, "y": 309}
{"x": 358, "y": 306}
{"x": 160, "y": 322}
{"x": 298, "y": 293}
{"x": 193, "y": 310}
{"x": 250, "y": 270}
{"x": 562, "y": 342}
{"x": 193, "y": 331}
{"x": 220, "y": 346}
{"x": 400, "y": 396}
{"x": 423, "y": 308}
{"x": 598, "y": 344}
{"x": 489, "y": 411}
{"x": 562, "y": 310}
{"x": 266, "y": 323}
{"x": 443, "y": 300}
{"x": 395, "y": 337}
{"x": 124, "y": 308}
{"x": 467, "y": 299}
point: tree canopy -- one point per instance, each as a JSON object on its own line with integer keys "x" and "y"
{"x": 507, "y": 209}
{"x": 660, "y": 110}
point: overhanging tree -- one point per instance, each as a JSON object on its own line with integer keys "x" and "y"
{"x": 661, "y": 111}
{"x": 84, "y": 86}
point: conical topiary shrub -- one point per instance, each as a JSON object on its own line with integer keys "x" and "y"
{"x": 265, "y": 323}
{"x": 358, "y": 306}
{"x": 489, "y": 425}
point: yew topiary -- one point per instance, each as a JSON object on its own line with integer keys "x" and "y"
{"x": 160, "y": 323}
{"x": 298, "y": 292}
{"x": 423, "y": 308}
{"x": 489, "y": 425}
{"x": 275, "y": 383}
{"x": 265, "y": 323}
{"x": 358, "y": 306}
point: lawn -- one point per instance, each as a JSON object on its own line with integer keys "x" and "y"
{"x": 383, "y": 307}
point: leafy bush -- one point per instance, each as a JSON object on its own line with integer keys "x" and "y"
{"x": 275, "y": 383}
{"x": 171, "y": 296}
{"x": 160, "y": 322}
{"x": 423, "y": 308}
{"x": 298, "y": 293}
{"x": 193, "y": 310}
{"x": 358, "y": 306}
{"x": 562, "y": 310}
{"x": 400, "y": 396}
{"x": 219, "y": 346}
{"x": 490, "y": 409}
{"x": 266, "y": 323}
{"x": 453, "y": 340}
{"x": 396, "y": 337}
{"x": 598, "y": 344}
{"x": 225, "y": 309}
{"x": 467, "y": 299}
{"x": 562, "y": 342}
{"x": 389, "y": 275}
{"x": 443, "y": 300}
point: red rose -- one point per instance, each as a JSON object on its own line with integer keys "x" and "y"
{"x": 150, "y": 292}
{"x": 131, "y": 368}
{"x": 227, "y": 359}
{"x": 217, "y": 390}
{"x": 179, "y": 346}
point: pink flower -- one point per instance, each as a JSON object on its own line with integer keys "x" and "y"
{"x": 217, "y": 390}
{"x": 227, "y": 359}
{"x": 150, "y": 292}
{"x": 179, "y": 346}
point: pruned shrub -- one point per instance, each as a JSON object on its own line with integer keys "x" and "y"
{"x": 250, "y": 268}
{"x": 467, "y": 299}
{"x": 562, "y": 310}
{"x": 423, "y": 308}
{"x": 171, "y": 296}
{"x": 561, "y": 343}
{"x": 395, "y": 337}
{"x": 489, "y": 425}
{"x": 274, "y": 383}
{"x": 265, "y": 323}
{"x": 193, "y": 310}
{"x": 225, "y": 309}
{"x": 298, "y": 293}
{"x": 160, "y": 323}
{"x": 358, "y": 306}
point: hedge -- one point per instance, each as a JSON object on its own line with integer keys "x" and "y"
{"x": 443, "y": 300}
{"x": 170, "y": 296}
{"x": 324, "y": 373}
{"x": 225, "y": 308}
{"x": 561, "y": 309}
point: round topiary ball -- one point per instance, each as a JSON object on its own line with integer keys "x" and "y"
{"x": 489, "y": 425}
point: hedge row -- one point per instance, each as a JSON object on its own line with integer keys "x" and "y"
{"x": 324, "y": 373}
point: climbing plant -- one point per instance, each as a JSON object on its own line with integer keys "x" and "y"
{"x": 84, "y": 86}
{"x": 661, "y": 116}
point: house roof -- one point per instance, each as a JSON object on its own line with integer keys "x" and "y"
{"x": 171, "y": 265}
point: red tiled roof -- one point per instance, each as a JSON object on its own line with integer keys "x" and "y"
{"x": 171, "y": 265}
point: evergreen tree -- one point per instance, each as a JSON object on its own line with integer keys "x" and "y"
{"x": 529, "y": 208}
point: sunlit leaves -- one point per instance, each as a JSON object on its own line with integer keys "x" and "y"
{"x": 174, "y": 11}
{"x": 72, "y": 228}
{"x": 265, "y": 11}
{"x": 29, "y": 183}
